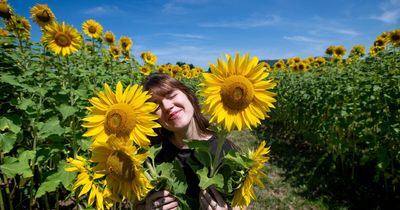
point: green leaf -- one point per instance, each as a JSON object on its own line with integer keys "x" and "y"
{"x": 10, "y": 79}
{"x": 25, "y": 103}
{"x": 84, "y": 144}
{"x": 153, "y": 151}
{"x": 50, "y": 127}
{"x": 201, "y": 151}
{"x": 54, "y": 180}
{"x": 205, "y": 181}
{"x": 13, "y": 166}
{"x": 66, "y": 110}
{"x": 7, "y": 141}
{"x": 11, "y": 123}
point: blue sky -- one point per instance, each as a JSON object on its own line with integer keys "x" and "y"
{"x": 200, "y": 31}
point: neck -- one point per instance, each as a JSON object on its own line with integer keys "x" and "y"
{"x": 190, "y": 132}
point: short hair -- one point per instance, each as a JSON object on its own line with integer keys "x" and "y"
{"x": 160, "y": 85}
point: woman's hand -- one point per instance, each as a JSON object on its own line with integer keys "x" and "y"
{"x": 161, "y": 200}
{"x": 209, "y": 202}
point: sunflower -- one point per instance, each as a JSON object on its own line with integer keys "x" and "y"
{"x": 114, "y": 52}
{"x": 20, "y": 26}
{"x": 380, "y": 42}
{"x": 124, "y": 113}
{"x": 126, "y": 54}
{"x": 92, "y": 28}
{"x": 3, "y": 32}
{"x": 357, "y": 51}
{"x": 89, "y": 47}
{"x": 339, "y": 51}
{"x": 279, "y": 65}
{"x": 266, "y": 66}
{"x": 89, "y": 179}
{"x": 109, "y": 37}
{"x": 245, "y": 193}
{"x": 145, "y": 70}
{"x": 187, "y": 73}
{"x": 196, "y": 71}
{"x": 122, "y": 164}
{"x": 394, "y": 37}
{"x": 320, "y": 61}
{"x": 236, "y": 94}
{"x": 125, "y": 43}
{"x": 329, "y": 50}
{"x": 149, "y": 58}
{"x": 62, "y": 38}
{"x": 373, "y": 51}
{"x": 42, "y": 15}
{"x": 336, "y": 59}
{"x": 301, "y": 66}
{"x": 5, "y": 10}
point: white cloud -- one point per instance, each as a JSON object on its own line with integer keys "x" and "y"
{"x": 103, "y": 10}
{"x": 178, "y": 6}
{"x": 390, "y": 12}
{"x": 303, "y": 39}
{"x": 334, "y": 29}
{"x": 184, "y": 36}
{"x": 251, "y": 22}
{"x": 172, "y": 8}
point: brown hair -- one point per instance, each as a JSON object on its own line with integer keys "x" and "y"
{"x": 160, "y": 85}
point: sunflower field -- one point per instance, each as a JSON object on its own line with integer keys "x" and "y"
{"x": 339, "y": 115}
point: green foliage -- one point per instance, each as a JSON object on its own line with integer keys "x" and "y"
{"x": 348, "y": 114}
{"x": 43, "y": 101}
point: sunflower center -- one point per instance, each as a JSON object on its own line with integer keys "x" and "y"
{"x": 120, "y": 120}
{"x": 5, "y": 10}
{"x": 92, "y": 29}
{"x": 43, "y": 16}
{"x": 120, "y": 166}
{"x": 62, "y": 39}
{"x": 237, "y": 92}
{"x": 109, "y": 39}
{"x": 395, "y": 37}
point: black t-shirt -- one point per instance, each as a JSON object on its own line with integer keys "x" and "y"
{"x": 169, "y": 152}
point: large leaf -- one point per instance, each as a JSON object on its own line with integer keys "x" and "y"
{"x": 7, "y": 141}
{"x": 66, "y": 110}
{"x": 11, "y": 123}
{"x": 25, "y": 103}
{"x": 10, "y": 79}
{"x": 205, "y": 181}
{"x": 50, "y": 127}
{"x": 54, "y": 180}
{"x": 13, "y": 166}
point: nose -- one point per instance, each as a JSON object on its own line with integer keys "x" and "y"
{"x": 166, "y": 104}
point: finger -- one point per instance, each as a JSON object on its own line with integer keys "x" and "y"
{"x": 163, "y": 201}
{"x": 217, "y": 196}
{"x": 170, "y": 206}
{"x": 153, "y": 197}
{"x": 158, "y": 194}
{"x": 205, "y": 205}
{"x": 210, "y": 201}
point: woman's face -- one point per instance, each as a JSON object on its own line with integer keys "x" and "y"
{"x": 175, "y": 111}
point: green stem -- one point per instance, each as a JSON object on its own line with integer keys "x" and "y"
{"x": 57, "y": 198}
{"x": 151, "y": 168}
{"x": 10, "y": 195}
{"x": 1, "y": 201}
{"x": 221, "y": 136}
{"x": 71, "y": 102}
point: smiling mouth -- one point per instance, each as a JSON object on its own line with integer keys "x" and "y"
{"x": 173, "y": 115}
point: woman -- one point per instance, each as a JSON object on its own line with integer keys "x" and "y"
{"x": 180, "y": 118}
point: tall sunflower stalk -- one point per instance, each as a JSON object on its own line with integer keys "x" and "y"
{"x": 236, "y": 97}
